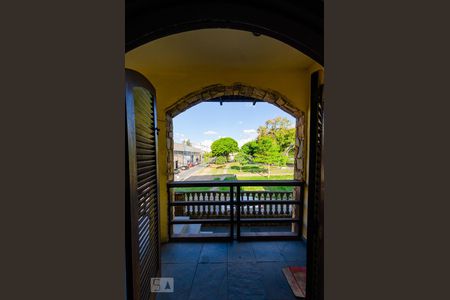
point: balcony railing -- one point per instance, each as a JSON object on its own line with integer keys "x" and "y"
{"x": 226, "y": 209}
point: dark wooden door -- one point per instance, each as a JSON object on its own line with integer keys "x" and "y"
{"x": 315, "y": 279}
{"x": 142, "y": 205}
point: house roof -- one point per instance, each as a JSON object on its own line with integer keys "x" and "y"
{"x": 183, "y": 147}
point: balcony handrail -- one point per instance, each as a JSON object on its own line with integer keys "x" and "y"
{"x": 240, "y": 183}
{"x": 236, "y": 207}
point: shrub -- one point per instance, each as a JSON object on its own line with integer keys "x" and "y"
{"x": 220, "y": 160}
{"x": 254, "y": 169}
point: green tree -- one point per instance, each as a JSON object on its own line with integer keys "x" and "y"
{"x": 242, "y": 158}
{"x": 224, "y": 146}
{"x": 268, "y": 153}
{"x": 188, "y": 142}
{"x": 281, "y": 130}
{"x": 207, "y": 156}
{"x": 250, "y": 148}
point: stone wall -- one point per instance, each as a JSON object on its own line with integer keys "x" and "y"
{"x": 238, "y": 89}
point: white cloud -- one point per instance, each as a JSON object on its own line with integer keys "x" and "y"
{"x": 178, "y": 137}
{"x": 206, "y": 145}
{"x": 244, "y": 140}
{"x": 210, "y": 132}
{"x": 249, "y": 135}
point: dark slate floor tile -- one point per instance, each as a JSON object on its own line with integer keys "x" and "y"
{"x": 210, "y": 282}
{"x": 180, "y": 252}
{"x": 240, "y": 252}
{"x": 245, "y": 281}
{"x": 267, "y": 251}
{"x": 297, "y": 263}
{"x": 214, "y": 252}
{"x": 183, "y": 276}
{"x": 293, "y": 251}
{"x": 253, "y": 271}
{"x": 275, "y": 283}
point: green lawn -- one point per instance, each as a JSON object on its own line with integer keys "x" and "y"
{"x": 245, "y": 188}
{"x": 235, "y": 168}
{"x": 260, "y": 177}
{"x": 192, "y": 189}
{"x": 224, "y": 188}
{"x": 267, "y": 188}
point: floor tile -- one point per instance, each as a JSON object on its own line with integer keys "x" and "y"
{"x": 240, "y": 252}
{"x": 214, "y": 252}
{"x": 210, "y": 282}
{"x": 183, "y": 276}
{"x": 275, "y": 283}
{"x": 237, "y": 270}
{"x": 293, "y": 250}
{"x": 180, "y": 252}
{"x": 245, "y": 281}
{"x": 267, "y": 251}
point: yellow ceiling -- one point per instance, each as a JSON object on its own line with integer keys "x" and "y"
{"x": 218, "y": 50}
{"x": 182, "y": 63}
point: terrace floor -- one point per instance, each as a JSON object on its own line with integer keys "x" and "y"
{"x": 234, "y": 270}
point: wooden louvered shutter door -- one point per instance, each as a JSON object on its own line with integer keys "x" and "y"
{"x": 142, "y": 207}
{"x": 315, "y": 192}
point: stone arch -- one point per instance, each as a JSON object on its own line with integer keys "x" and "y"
{"x": 239, "y": 89}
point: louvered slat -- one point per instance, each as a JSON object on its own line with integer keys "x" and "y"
{"x": 146, "y": 189}
{"x": 143, "y": 238}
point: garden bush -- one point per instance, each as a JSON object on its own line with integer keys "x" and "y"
{"x": 220, "y": 160}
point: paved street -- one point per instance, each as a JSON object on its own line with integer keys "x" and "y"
{"x": 185, "y": 174}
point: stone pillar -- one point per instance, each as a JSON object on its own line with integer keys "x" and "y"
{"x": 169, "y": 141}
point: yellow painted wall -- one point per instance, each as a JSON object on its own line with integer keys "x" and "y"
{"x": 168, "y": 90}
{"x": 171, "y": 84}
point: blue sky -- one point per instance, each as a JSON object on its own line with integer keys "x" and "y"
{"x": 207, "y": 122}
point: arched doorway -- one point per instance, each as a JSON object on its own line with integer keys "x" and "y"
{"x": 299, "y": 25}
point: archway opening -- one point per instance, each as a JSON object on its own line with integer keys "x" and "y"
{"x": 234, "y": 138}
{"x": 240, "y": 92}
{"x": 205, "y": 65}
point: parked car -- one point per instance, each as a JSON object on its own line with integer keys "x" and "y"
{"x": 184, "y": 168}
{"x": 176, "y": 171}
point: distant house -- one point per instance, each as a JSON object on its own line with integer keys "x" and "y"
{"x": 231, "y": 156}
{"x": 184, "y": 154}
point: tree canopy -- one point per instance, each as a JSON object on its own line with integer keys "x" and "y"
{"x": 250, "y": 148}
{"x": 281, "y": 130}
{"x": 224, "y": 146}
{"x": 187, "y": 142}
{"x": 268, "y": 152}
{"x": 274, "y": 141}
{"x": 242, "y": 158}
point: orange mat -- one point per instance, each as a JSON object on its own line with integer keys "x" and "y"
{"x": 296, "y": 277}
